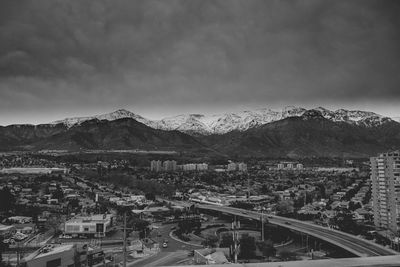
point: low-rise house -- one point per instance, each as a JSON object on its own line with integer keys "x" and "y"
{"x": 94, "y": 226}
{"x": 20, "y": 219}
{"x": 7, "y": 230}
{"x": 211, "y": 256}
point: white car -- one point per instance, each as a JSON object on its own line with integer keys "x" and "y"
{"x": 164, "y": 245}
{"x": 65, "y": 236}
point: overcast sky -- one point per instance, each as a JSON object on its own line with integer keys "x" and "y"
{"x": 159, "y": 58}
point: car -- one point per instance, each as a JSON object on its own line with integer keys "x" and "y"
{"x": 288, "y": 223}
{"x": 65, "y": 236}
{"x": 164, "y": 245}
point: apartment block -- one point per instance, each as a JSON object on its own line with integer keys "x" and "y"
{"x": 385, "y": 182}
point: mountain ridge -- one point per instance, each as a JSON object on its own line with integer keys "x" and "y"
{"x": 199, "y": 124}
{"x": 310, "y": 134}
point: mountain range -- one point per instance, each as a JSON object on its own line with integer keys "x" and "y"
{"x": 291, "y": 132}
{"x": 198, "y": 124}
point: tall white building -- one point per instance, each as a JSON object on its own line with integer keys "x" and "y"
{"x": 231, "y": 167}
{"x": 299, "y": 166}
{"x": 385, "y": 182}
{"x": 290, "y": 166}
{"x": 169, "y": 165}
{"x": 202, "y": 166}
{"x": 242, "y": 167}
{"x": 156, "y": 166}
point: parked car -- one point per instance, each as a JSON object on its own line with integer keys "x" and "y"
{"x": 64, "y": 236}
{"x": 164, "y": 245}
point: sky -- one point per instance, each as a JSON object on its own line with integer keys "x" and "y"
{"x": 160, "y": 58}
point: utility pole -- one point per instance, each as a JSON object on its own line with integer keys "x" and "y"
{"x": 18, "y": 255}
{"x": 248, "y": 186}
{"x": 236, "y": 245}
{"x": 307, "y": 243}
{"x": 262, "y": 224}
{"x": 124, "y": 253}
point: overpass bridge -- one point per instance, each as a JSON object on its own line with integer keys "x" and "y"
{"x": 382, "y": 261}
{"x": 358, "y": 246}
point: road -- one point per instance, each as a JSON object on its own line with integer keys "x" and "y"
{"x": 353, "y": 244}
{"x": 175, "y": 252}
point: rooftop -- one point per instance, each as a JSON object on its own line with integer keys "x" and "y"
{"x": 49, "y": 250}
{"x": 91, "y": 218}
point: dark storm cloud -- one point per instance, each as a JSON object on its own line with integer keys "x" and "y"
{"x": 85, "y": 54}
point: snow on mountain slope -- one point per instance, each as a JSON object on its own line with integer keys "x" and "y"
{"x": 118, "y": 114}
{"x": 196, "y": 124}
{"x": 190, "y": 123}
{"x": 243, "y": 120}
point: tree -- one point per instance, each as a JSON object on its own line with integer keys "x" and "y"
{"x": 54, "y": 222}
{"x": 287, "y": 255}
{"x": 344, "y": 221}
{"x": 226, "y": 240}
{"x": 353, "y": 206}
{"x": 242, "y": 205}
{"x": 150, "y": 196}
{"x": 58, "y": 194}
{"x": 267, "y": 248}
{"x": 139, "y": 225}
{"x": 247, "y": 246}
{"x": 284, "y": 207}
{"x": 265, "y": 189}
{"x": 188, "y": 225}
{"x": 73, "y": 204}
{"x": 210, "y": 241}
{"x": 7, "y": 199}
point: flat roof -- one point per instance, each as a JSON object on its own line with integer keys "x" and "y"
{"x": 54, "y": 250}
{"x": 92, "y": 218}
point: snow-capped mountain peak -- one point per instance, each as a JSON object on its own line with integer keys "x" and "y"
{"x": 198, "y": 124}
{"x": 115, "y": 115}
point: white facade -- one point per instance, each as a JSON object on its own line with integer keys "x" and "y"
{"x": 299, "y": 166}
{"x": 91, "y": 225}
{"x": 156, "y": 166}
{"x": 231, "y": 167}
{"x": 169, "y": 165}
{"x": 385, "y": 178}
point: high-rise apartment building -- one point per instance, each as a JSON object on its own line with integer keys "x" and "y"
{"x": 299, "y": 166}
{"x": 156, "y": 166}
{"x": 385, "y": 182}
{"x": 242, "y": 167}
{"x": 169, "y": 165}
{"x": 231, "y": 167}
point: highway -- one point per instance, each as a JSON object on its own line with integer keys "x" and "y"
{"x": 358, "y": 246}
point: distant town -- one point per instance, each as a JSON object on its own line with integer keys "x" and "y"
{"x": 58, "y": 212}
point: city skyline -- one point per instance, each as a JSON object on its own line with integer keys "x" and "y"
{"x": 164, "y": 58}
